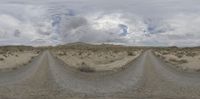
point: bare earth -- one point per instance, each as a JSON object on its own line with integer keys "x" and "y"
{"x": 147, "y": 77}
{"x": 15, "y": 58}
{"x": 100, "y": 60}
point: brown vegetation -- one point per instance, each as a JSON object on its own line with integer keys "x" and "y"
{"x": 181, "y": 57}
{"x": 97, "y": 57}
{"x": 12, "y": 57}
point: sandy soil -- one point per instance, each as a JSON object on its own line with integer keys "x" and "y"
{"x": 97, "y": 59}
{"x": 145, "y": 78}
{"x": 12, "y": 58}
{"x": 186, "y": 59}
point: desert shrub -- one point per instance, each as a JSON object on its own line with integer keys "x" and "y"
{"x": 5, "y": 55}
{"x": 88, "y": 54}
{"x": 29, "y": 61}
{"x": 14, "y": 68}
{"x": 33, "y": 57}
{"x": 158, "y": 55}
{"x": 191, "y": 54}
{"x": 179, "y": 55}
{"x": 62, "y": 54}
{"x": 162, "y": 57}
{"x": 130, "y": 53}
{"x": 182, "y": 61}
{"x": 38, "y": 52}
{"x": 1, "y": 52}
{"x": 20, "y": 50}
{"x": 198, "y": 70}
{"x": 1, "y": 59}
{"x": 173, "y": 60}
{"x": 80, "y": 53}
{"x": 85, "y": 68}
{"x": 116, "y": 51}
{"x": 165, "y": 53}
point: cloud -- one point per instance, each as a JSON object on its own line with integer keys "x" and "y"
{"x": 181, "y": 30}
{"x": 129, "y": 22}
{"x": 29, "y": 26}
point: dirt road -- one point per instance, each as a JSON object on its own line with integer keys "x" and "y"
{"x": 145, "y": 78}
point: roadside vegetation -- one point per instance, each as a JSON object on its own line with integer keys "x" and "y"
{"x": 13, "y": 57}
{"x": 186, "y": 59}
{"x": 91, "y": 58}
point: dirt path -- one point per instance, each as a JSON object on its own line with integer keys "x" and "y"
{"x": 101, "y": 84}
{"x": 147, "y": 77}
{"x": 31, "y": 82}
{"x": 160, "y": 81}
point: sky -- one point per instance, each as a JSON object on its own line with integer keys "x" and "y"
{"x": 127, "y": 22}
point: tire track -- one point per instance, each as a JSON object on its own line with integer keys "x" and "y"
{"x": 97, "y": 83}
{"x": 159, "y": 81}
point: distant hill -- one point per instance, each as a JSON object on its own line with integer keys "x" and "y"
{"x": 78, "y": 44}
{"x": 90, "y": 45}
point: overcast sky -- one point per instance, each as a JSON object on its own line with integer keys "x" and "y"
{"x": 129, "y": 22}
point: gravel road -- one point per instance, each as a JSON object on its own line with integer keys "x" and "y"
{"x": 147, "y": 77}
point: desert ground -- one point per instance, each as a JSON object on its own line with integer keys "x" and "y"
{"x": 96, "y": 58}
{"x": 12, "y": 57}
{"x": 185, "y": 59}
{"x": 85, "y": 71}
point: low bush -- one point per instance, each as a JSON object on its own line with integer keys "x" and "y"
{"x": 191, "y": 54}
{"x": 85, "y": 68}
{"x": 130, "y": 53}
{"x": 1, "y": 59}
{"x": 182, "y": 61}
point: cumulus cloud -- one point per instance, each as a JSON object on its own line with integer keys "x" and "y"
{"x": 129, "y": 22}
